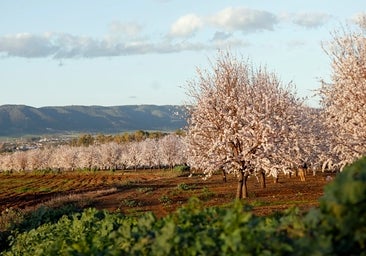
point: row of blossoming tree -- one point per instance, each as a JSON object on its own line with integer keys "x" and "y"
{"x": 245, "y": 121}
{"x": 165, "y": 152}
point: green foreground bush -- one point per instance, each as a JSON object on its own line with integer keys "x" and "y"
{"x": 337, "y": 227}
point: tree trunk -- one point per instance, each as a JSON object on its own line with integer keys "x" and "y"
{"x": 242, "y": 189}
{"x": 223, "y": 175}
{"x": 275, "y": 179}
{"x": 239, "y": 191}
{"x": 263, "y": 180}
{"x": 245, "y": 188}
{"x": 302, "y": 174}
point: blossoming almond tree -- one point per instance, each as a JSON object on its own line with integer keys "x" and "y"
{"x": 171, "y": 150}
{"x": 241, "y": 120}
{"x": 109, "y": 154}
{"x": 309, "y": 148}
{"x": 344, "y": 99}
{"x": 149, "y": 152}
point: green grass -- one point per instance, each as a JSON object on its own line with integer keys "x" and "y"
{"x": 206, "y": 194}
{"x": 131, "y": 203}
{"x": 45, "y": 189}
{"x": 257, "y": 203}
{"x": 24, "y": 189}
{"x": 165, "y": 200}
{"x": 145, "y": 190}
{"x": 185, "y": 187}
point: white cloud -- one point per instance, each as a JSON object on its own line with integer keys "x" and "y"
{"x": 26, "y": 45}
{"x": 227, "y": 21}
{"x": 244, "y": 19}
{"x": 126, "y": 30}
{"x": 230, "y": 44}
{"x": 128, "y": 38}
{"x": 186, "y": 26}
{"x": 310, "y": 20}
{"x": 221, "y": 36}
{"x": 62, "y": 46}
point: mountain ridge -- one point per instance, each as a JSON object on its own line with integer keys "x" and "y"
{"x": 18, "y": 120}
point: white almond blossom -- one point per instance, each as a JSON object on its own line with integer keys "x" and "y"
{"x": 243, "y": 120}
{"x": 344, "y": 98}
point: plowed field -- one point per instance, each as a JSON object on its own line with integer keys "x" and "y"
{"x": 159, "y": 191}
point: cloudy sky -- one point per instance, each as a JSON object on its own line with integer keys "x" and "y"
{"x": 89, "y": 52}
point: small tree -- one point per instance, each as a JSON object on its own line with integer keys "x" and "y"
{"x": 134, "y": 158}
{"x": 171, "y": 150}
{"x": 241, "y": 120}
{"x": 311, "y": 147}
{"x": 35, "y": 159}
{"x": 344, "y": 98}
{"x": 149, "y": 152}
{"x": 109, "y": 155}
{"x": 20, "y": 160}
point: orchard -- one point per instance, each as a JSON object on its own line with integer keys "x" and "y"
{"x": 245, "y": 122}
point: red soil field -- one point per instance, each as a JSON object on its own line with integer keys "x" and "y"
{"x": 159, "y": 191}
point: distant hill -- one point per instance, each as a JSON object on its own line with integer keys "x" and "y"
{"x": 18, "y": 120}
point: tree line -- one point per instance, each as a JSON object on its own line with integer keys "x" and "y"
{"x": 164, "y": 152}
{"x": 140, "y": 135}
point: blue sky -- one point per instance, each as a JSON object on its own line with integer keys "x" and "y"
{"x": 88, "y": 52}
